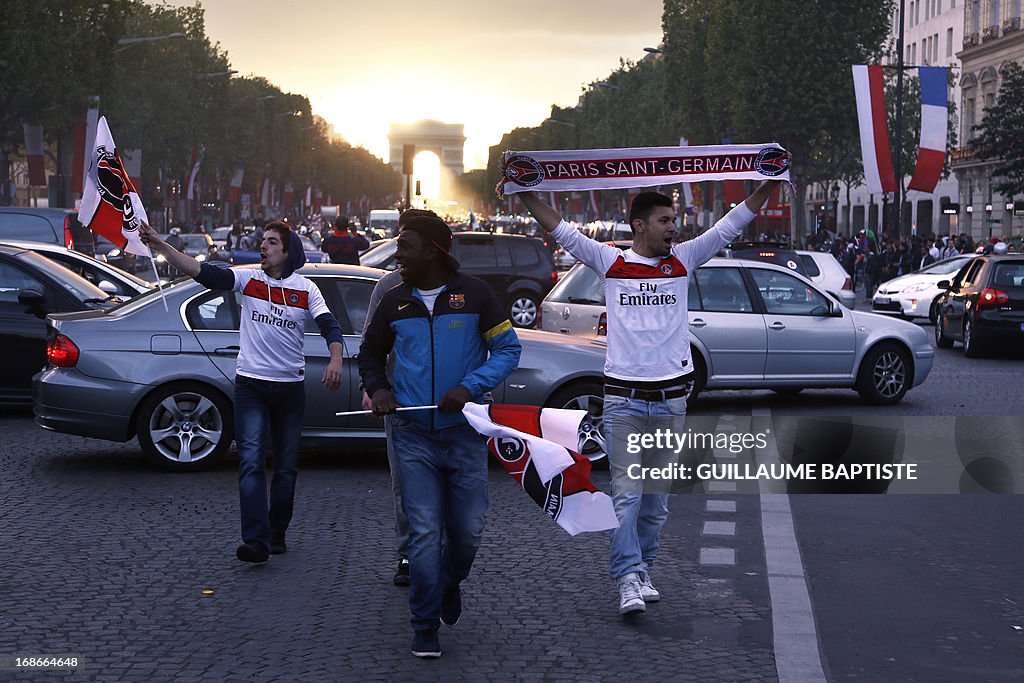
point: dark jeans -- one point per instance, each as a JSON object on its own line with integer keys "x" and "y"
{"x": 444, "y": 493}
{"x": 261, "y": 408}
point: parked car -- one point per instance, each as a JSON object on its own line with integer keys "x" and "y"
{"x": 767, "y": 252}
{"x": 110, "y": 279}
{"x": 983, "y": 306}
{"x": 915, "y": 295}
{"x": 824, "y": 270}
{"x": 763, "y": 326}
{"x": 167, "y": 377}
{"x": 55, "y": 226}
{"x": 32, "y": 286}
{"x": 519, "y": 269}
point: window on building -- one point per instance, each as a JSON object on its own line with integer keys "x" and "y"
{"x": 910, "y": 15}
{"x": 993, "y": 12}
{"x": 949, "y": 42}
{"x": 975, "y": 15}
{"x": 969, "y": 118}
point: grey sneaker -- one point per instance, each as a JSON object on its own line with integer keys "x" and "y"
{"x": 647, "y": 590}
{"x": 630, "y": 599}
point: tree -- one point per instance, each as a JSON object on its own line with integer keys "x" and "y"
{"x": 1000, "y": 136}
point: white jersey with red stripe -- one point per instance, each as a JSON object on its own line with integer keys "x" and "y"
{"x": 646, "y": 298}
{"x": 273, "y": 324}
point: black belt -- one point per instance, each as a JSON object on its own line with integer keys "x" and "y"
{"x": 646, "y": 394}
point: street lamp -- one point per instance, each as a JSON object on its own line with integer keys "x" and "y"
{"x": 834, "y": 194}
{"x": 126, "y": 43}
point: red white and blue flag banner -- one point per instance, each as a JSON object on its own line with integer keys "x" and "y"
{"x": 193, "y": 175}
{"x": 602, "y": 169}
{"x": 931, "y": 155}
{"x": 110, "y": 205}
{"x": 535, "y": 446}
{"x": 869, "y": 86}
{"x": 235, "y": 189}
{"x": 34, "y": 154}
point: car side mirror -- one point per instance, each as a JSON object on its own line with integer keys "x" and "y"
{"x": 32, "y": 300}
{"x": 107, "y": 286}
{"x": 822, "y": 311}
{"x": 942, "y": 284}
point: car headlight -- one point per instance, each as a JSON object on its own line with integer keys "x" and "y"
{"x": 160, "y": 258}
{"x": 113, "y": 253}
{"x": 200, "y": 257}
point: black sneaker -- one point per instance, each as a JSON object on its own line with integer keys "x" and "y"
{"x": 402, "y": 573}
{"x": 451, "y": 605}
{"x": 425, "y": 644}
{"x": 253, "y": 551}
{"x": 277, "y": 545}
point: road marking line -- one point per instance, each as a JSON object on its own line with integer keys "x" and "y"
{"x": 722, "y": 487}
{"x": 717, "y": 556}
{"x": 719, "y": 529}
{"x": 797, "y": 651}
{"x": 721, "y": 506}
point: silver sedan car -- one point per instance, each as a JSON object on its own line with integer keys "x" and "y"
{"x": 167, "y": 376}
{"x": 756, "y": 325}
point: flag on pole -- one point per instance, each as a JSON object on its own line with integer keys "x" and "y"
{"x": 869, "y": 86}
{"x": 34, "y": 154}
{"x": 193, "y": 176}
{"x": 931, "y": 154}
{"x": 85, "y": 137}
{"x": 235, "y": 188}
{"x": 535, "y": 446}
{"x": 110, "y": 205}
{"x": 132, "y": 159}
{"x": 309, "y": 197}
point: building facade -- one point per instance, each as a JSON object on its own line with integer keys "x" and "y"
{"x": 992, "y": 39}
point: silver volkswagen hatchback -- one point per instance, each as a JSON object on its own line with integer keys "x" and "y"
{"x": 756, "y": 325}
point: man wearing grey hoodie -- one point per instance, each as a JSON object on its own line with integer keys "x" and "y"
{"x": 269, "y": 391}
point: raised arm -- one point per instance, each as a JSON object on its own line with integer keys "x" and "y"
{"x": 759, "y": 196}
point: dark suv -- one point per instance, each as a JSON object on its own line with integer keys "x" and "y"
{"x": 983, "y": 305}
{"x": 60, "y": 226}
{"x": 519, "y": 269}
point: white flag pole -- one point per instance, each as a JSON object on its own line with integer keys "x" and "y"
{"x": 158, "y": 285}
{"x": 370, "y": 412}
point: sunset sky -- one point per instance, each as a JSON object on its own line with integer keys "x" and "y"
{"x": 492, "y": 66}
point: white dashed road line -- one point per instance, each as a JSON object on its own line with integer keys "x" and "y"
{"x": 797, "y": 652}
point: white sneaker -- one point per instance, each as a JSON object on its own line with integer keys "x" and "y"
{"x": 647, "y": 590}
{"x": 630, "y": 599}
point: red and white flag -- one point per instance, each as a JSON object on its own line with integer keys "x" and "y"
{"x": 235, "y": 189}
{"x": 536, "y": 446}
{"x": 193, "y": 175}
{"x": 110, "y": 205}
{"x": 869, "y": 85}
{"x": 34, "y": 154}
{"x": 931, "y": 154}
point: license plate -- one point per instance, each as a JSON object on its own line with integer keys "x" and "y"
{"x": 882, "y": 300}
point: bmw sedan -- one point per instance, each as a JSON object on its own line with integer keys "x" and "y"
{"x": 757, "y": 325}
{"x": 167, "y": 377}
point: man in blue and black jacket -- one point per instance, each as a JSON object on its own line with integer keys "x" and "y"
{"x": 452, "y": 343}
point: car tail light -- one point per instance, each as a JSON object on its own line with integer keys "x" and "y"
{"x": 848, "y": 285}
{"x": 69, "y": 240}
{"x": 62, "y": 352}
{"x": 602, "y": 325}
{"x": 991, "y": 297}
{"x": 554, "y": 277}
{"x": 766, "y": 254}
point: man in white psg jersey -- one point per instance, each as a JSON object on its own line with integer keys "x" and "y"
{"x": 648, "y": 369}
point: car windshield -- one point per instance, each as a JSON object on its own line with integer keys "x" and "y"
{"x": 196, "y": 240}
{"x": 1008, "y": 274}
{"x": 946, "y": 267}
{"x": 381, "y": 257}
{"x": 74, "y": 284}
{"x": 581, "y": 285}
{"x": 146, "y": 297}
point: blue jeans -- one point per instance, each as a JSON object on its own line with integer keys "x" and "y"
{"x": 263, "y": 407}
{"x": 401, "y": 523}
{"x": 641, "y": 513}
{"x": 444, "y": 494}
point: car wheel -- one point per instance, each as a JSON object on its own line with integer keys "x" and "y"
{"x": 972, "y": 348}
{"x": 522, "y": 311}
{"x": 700, "y": 374}
{"x": 933, "y": 311}
{"x": 185, "y": 427}
{"x": 941, "y": 340}
{"x": 588, "y": 396}
{"x": 884, "y": 376}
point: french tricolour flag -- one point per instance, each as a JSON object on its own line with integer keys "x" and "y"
{"x": 932, "y": 152}
{"x": 869, "y": 85}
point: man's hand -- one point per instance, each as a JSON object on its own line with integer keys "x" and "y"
{"x": 383, "y": 403}
{"x": 366, "y": 403}
{"x": 759, "y": 196}
{"x": 332, "y": 375}
{"x": 151, "y": 238}
{"x": 454, "y": 400}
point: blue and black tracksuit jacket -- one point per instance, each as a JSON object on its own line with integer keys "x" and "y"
{"x": 467, "y": 340}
